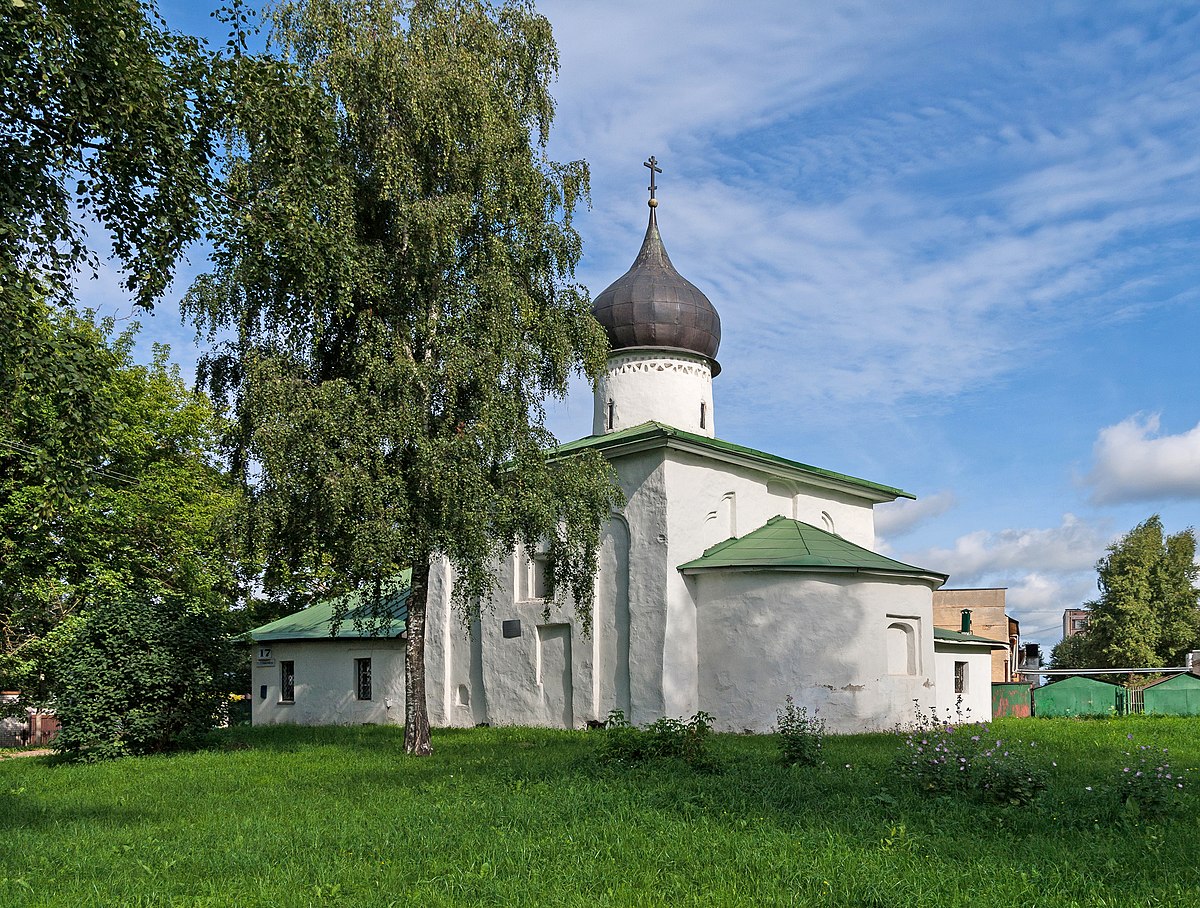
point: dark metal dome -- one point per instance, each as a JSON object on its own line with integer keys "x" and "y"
{"x": 653, "y": 305}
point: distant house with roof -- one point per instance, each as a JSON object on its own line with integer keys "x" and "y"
{"x": 731, "y": 579}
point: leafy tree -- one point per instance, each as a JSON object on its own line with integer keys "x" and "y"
{"x": 107, "y": 126}
{"x": 138, "y": 547}
{"x": 104, "y": 114}
{"x": 1074, "y": 651}
{"x": 1148, "y": 612}
{"x": 55, "y": 373}
{"x": 397, "y": 265}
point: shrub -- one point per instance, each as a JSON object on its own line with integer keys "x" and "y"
{"x": 933, "y": 760}
{"x": 141, "y": 675}
{"x": 799, "y": 735}
{"x": 1004, "y": 774}
{"x": 686, "y": 740}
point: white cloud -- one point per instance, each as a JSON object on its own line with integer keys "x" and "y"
{"x": 899, "y": 517}
{"x": 984, "y": 555}
{"x": 1134, "y": 463}
{"x": 1037, "y": 600}
{"x": 1043, "y": 569}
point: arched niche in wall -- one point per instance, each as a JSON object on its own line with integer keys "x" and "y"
{"x": 728, "y": 511}
{"x": 901, "y": 648}
{"x": 612, "y": 615}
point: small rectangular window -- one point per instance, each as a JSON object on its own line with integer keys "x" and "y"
{"x": 287, "y": 681}
{"x": 537, "y": 579}
{"x": 960, "y": 677}
{"x": 362, "y": 678}
{"x": 702, "y": 415}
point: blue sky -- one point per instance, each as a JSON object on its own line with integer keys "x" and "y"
{"x": 954, "y": 248}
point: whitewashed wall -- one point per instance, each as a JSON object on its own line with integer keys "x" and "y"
{"x": 553, "y": 673}
{"x": 654, "y": 385}
{"x": 820, "y": 638}
{"x": 325, "y": 683}
{"x": 977, "y": 699}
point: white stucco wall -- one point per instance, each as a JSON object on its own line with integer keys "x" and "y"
{"x": 712, "y": 501}
{"x": 666, "y": 387}
{"x": 325, "y": 683}
{"x": 977, "y": 699}
{"x": 820, "y": 638}
{"x": 553, "y": 673}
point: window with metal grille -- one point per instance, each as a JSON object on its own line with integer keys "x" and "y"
{"x": 287, "y": 681}
{"x": 362, "y": 678}
{"x": 960, "y": 677}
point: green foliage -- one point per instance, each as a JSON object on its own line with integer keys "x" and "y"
{"x": 142, "y": 674}
{"x": 1147, "y": 786}
{"x": 136, "y": 535}
{"x": 55, "y": 403}
{"x": 799, "y": 735}
{"x": 1075, "y": 651}
{"x": 395, "y": 262}
{"x": 623, "y": 743}
{"x": 104, "y": 115}
{"x": 1148, "y": 612}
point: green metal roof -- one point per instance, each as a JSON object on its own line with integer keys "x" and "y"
{"x": 314, "y": 622}
{"x": 656, "y": 434}
{"x": 784, "y": 544}
{"x": 948, "y": 636}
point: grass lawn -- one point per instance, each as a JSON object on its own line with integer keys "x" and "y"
{"x": 295, "y": 816}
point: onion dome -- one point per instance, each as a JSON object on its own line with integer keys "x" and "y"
{"x": 653, "y": 305}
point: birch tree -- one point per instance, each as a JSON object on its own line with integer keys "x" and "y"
{"x": 395, "y": 270}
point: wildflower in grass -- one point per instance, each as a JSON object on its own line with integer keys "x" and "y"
{"x": 939, "y": 758}
{"x": 799, "y": 735}
{"x": 1146, "y": 785}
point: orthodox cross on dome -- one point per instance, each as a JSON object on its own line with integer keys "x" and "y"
{"x": 654, "y": 168}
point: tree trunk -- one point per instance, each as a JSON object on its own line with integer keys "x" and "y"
{"x": 416, "y": 712}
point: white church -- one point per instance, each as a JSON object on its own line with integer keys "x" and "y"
{"x": 731, "y": 579}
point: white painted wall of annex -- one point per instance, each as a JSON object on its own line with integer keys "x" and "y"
{"x": 820, "y": 638}
{"x": 325, "y": 683}
{"x": 667, "y": 387}
{"x": 977, "y": 699}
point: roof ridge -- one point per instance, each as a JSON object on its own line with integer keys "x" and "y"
{"x": 787, "y": 543}
{"x": 715, "y": 445}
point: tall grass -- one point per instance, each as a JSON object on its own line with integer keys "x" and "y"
{"x": 300, "y": 816}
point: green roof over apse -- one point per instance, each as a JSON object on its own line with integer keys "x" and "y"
{"x": 655, "y": 434}
{"x": 314, "y": 622}
{"x": 943, "y": 635}
{"x": 792, "y": 545}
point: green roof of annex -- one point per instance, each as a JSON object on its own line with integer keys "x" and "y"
{"x": 656, "y": 434}
{"x": 360, "y": 621}
{"x": 944, "y": 635}
{"x": 782, "y": 544}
